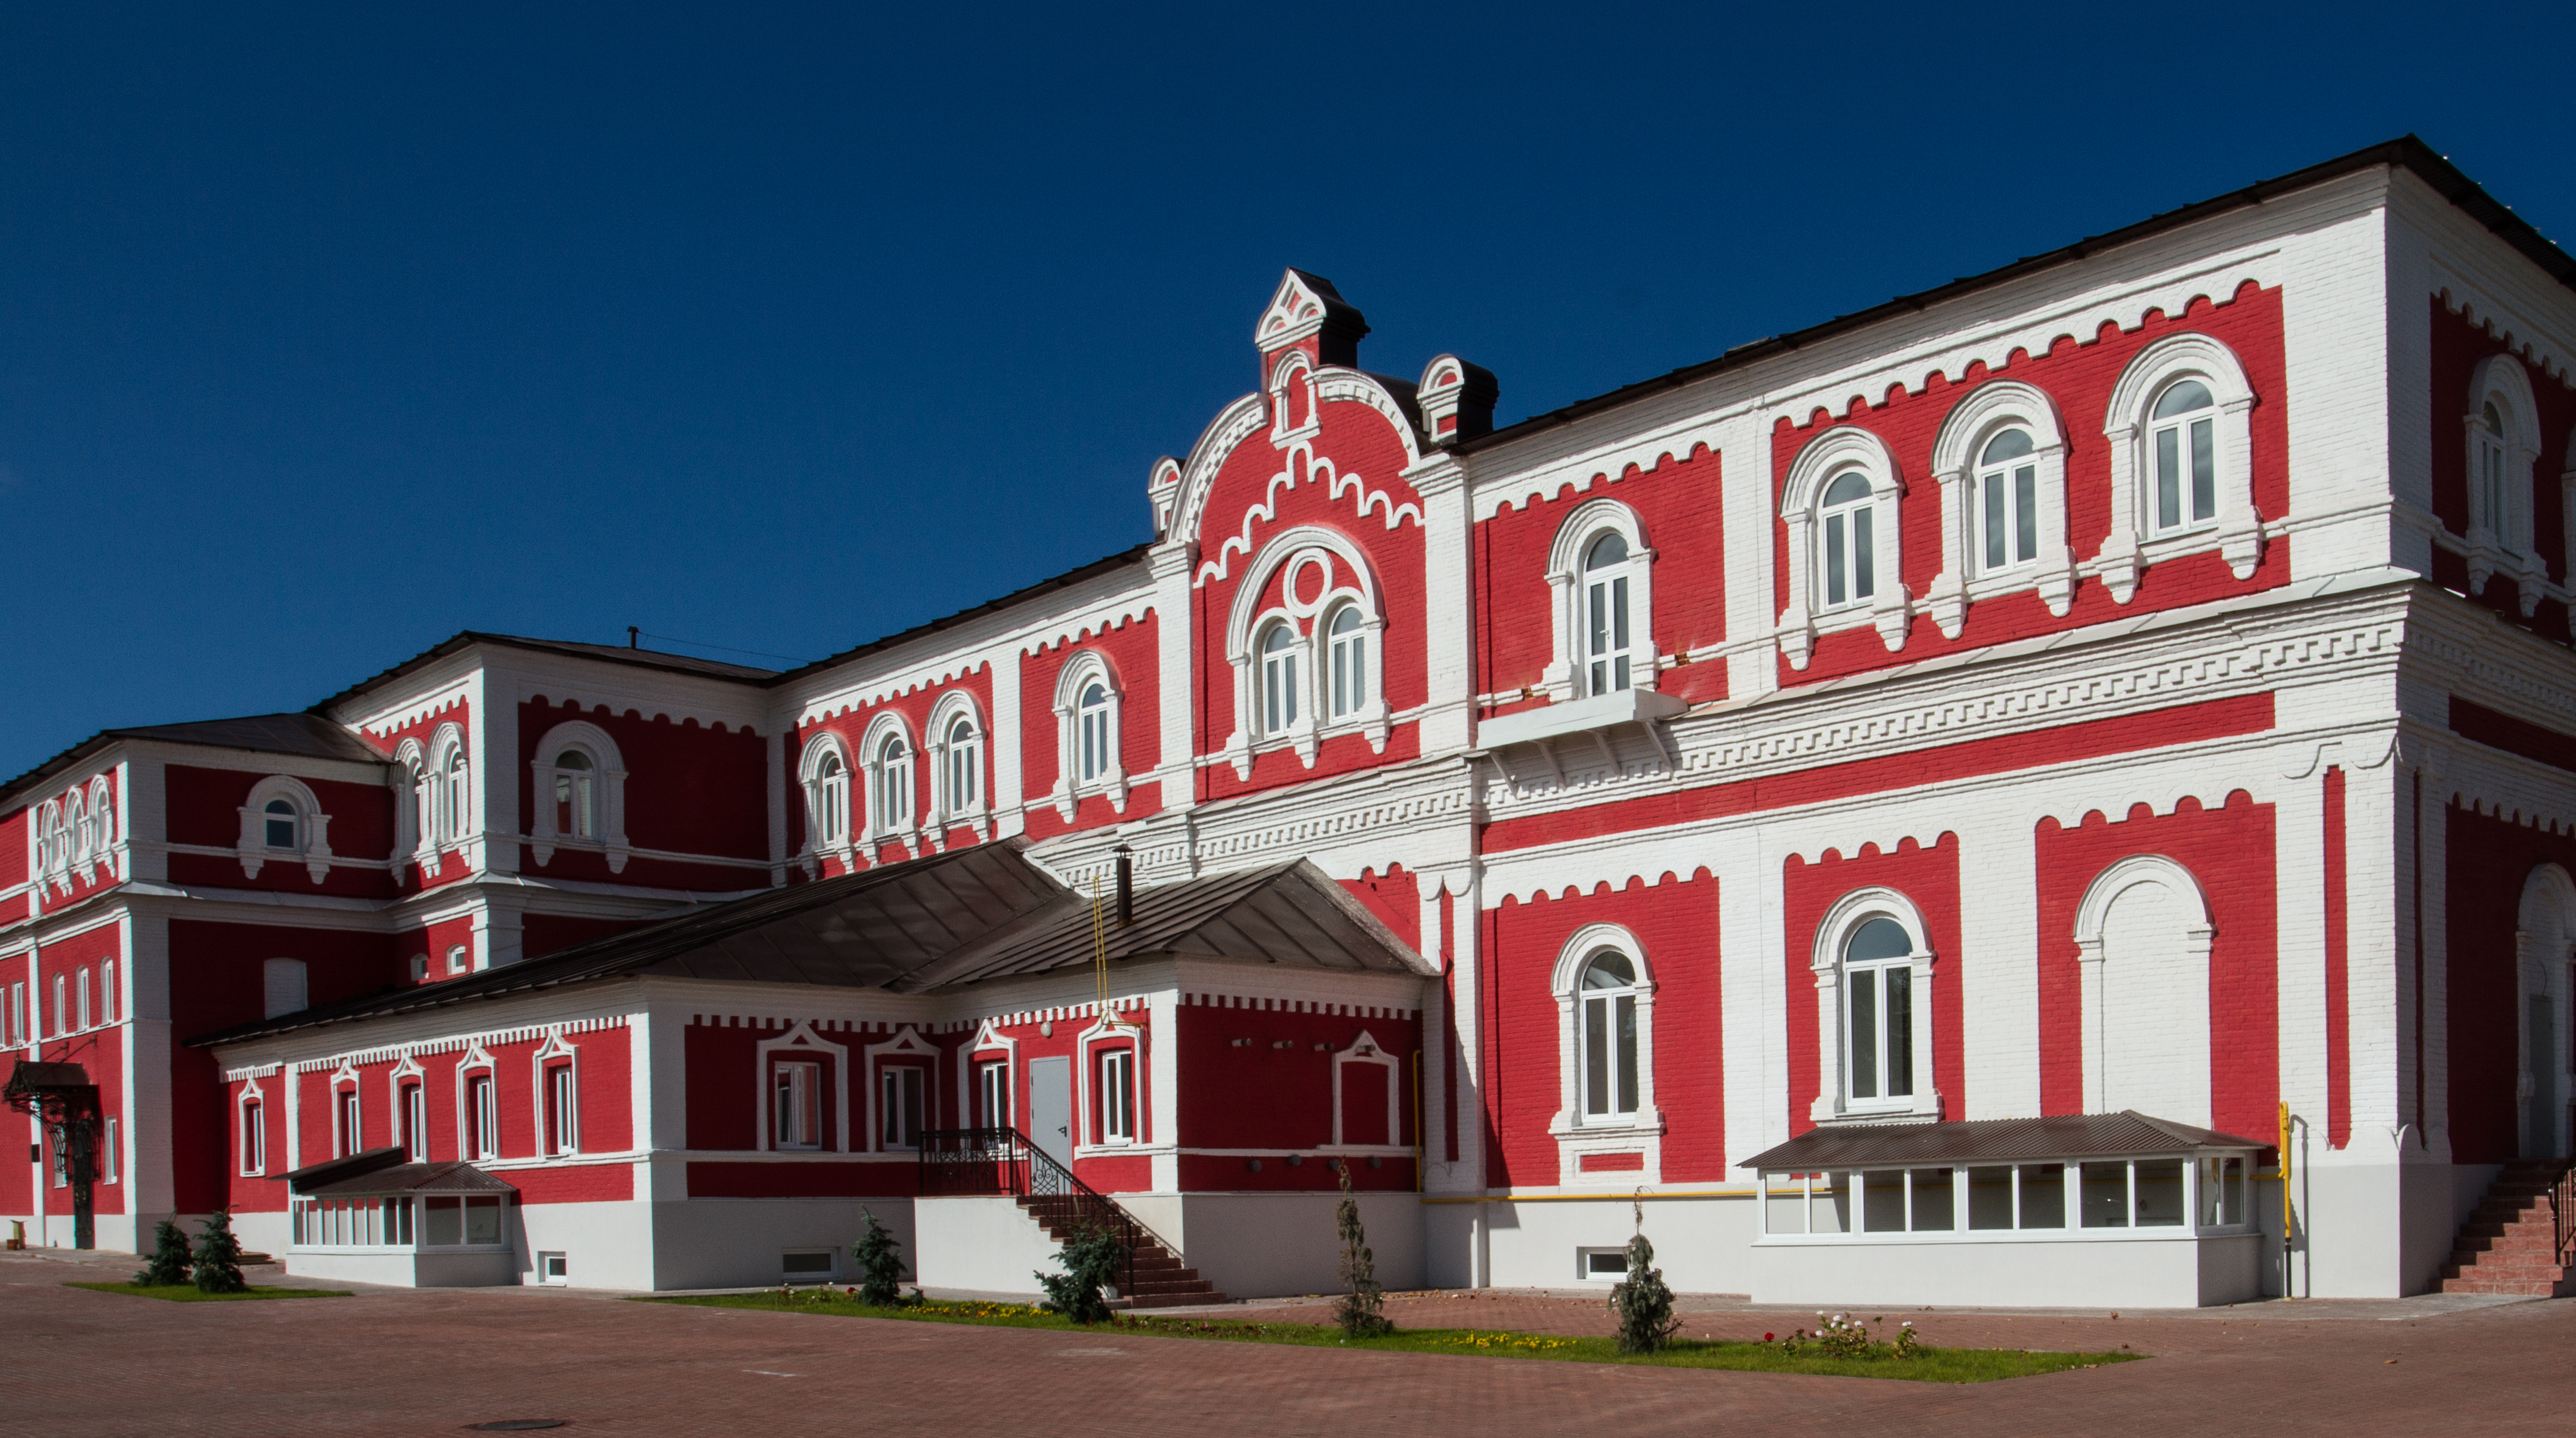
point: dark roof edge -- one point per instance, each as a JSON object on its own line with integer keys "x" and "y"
{"x": 1066, "y": 580}
{"x": 465, "y": 638}
{"x": 2406, "y": 152}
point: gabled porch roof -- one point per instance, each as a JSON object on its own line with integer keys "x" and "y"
{"x": 2073, "y": 1136}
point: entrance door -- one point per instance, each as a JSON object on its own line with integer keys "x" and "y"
{"x": 2540, "y": 1137}
{"x": 1051, "y": 1108}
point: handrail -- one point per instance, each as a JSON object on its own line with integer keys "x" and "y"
{"x": 2562, "y": 1199}
{"x": 1001, "y": 1159}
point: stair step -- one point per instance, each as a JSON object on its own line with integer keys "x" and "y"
{"x": 1177, "y": 1300}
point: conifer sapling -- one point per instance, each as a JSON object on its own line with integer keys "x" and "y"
{"x": 219, "y": 1256}
{"x": 880, "y": 1265}
{"x": 168, "y": 1266}
{"x": 1360, "y": 1311}
{"x": 1642, "y": 1300}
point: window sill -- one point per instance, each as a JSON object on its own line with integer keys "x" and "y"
{"x": 1577, "y": 716}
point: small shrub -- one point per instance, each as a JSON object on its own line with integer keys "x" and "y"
{"x": 218, "y": 1261}
{"x": 168, "y": 1266}
{"x": 880, "y": 1261}
{"x": 1643, "y": 1301}
{"x": 1092, "y": 1261}
{"x": 1361, "y": 1311}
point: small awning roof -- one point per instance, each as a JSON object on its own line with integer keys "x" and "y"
{"x": 2074, "y": 1136}
{"x": 381, "y": 1173}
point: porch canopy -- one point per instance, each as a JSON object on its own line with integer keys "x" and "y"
{"x": 373, "y": 1199}
{"x": 2001, "y": 1177}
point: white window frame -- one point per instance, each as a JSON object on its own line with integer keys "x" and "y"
{"x": 949, "y": 755}
{"x": 990, "y": 1045}
{"x": 555, "y": 1053}
{"x": 801, "y": 1043}
{"x": 2135, "y": 542}
{"x": 1342, "y": 667}
{"x": 76, "y": 830}
{"x": 409, "y": 1108}
{"x": 990, "y": 1074}
{"x": 1958, "y": 455}
{"x": 893, "y": 790}
{"x": 1576, "y": 1132}
{"x": 909, "y": 1048}
{"x": 795, "y": 1094}
{"x": 1889, "y": 607}
{"x": 827, "y": 802}
{"x": 607, "y": 784}
{"x": 110, "y": 1151}
{"x": 412, "y": 830}
{"x": 460, "y": 958}
{"x": 107, "y": 991}
{"x": 1567, "y": 675}
{"x": 348, "y": 1114}
{"x": 2502, "y": 543}
{"x": 1290, "y": 558}
{"x": 312, "y": 828}
{"x": 80, "y": 998}
{"x": 46, "y": 830}
{"x": 478, "y": 1116}
{"x": 1282, "y": 707}
{"x": 891, "y": 1079}
{"x": 1082, "y": 669}
{"x": 451, "y": 788}
{"x": 250, "y": 1123}
{"x": 1365, "y": 1049}
{"x": 1116, "y": 1095}
{"x": 1841, "y": 920}
{"x": 102, "y": 821}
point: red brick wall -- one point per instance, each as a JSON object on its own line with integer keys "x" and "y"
{"x": 2457, "y": 345}
{"x": 1928, "y": 877}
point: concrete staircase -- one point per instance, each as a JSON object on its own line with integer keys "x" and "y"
{"x": 2510, "y": 1244}
{"x": 1162, "y": 1281}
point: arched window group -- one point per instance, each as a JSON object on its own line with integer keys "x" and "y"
{"x": 2503, "y": 448}
{"x": 1305, "y": 640}
{"x": 2181, "y": 460}
{"x": 76, "y": 831}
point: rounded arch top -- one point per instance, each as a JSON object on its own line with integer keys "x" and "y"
{"x": 1845, "y": 446}
{"x": 2548, "y": 910}
{"x": 1855, "y": 910}
{"x": 826, "y": 743}
{"x": 1591, "y": 939}
{"x": 2191, "y": 355}
{"x": 1588, "y": 521}
{"x": 585, "y": 736}
{"x": 2501, "y": 379}
{"x": 1084, "y": 666}
{"x": 2129, "y": 873}
{"x": 1989, "y": 407}
{"x": 1285, "y": 548}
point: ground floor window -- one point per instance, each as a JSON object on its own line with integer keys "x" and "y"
{"x": 2205, "y": 1193}
{"x": 796, "y": 1097}
{"x": 902, "y": 1087}
{"x": 993, "y": 1094}
{"x": 1118, "y": 1096}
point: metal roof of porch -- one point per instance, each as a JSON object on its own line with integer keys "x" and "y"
{"x": 2073, "y": 1136}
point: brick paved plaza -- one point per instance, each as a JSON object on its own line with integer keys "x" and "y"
{"x": 418, "y": 1362}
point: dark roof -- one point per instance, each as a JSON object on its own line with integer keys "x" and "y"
{"x": 859, "y": 930}
{"x": 382, "y": 1171}
{"x": 966, "y": 916}
{"x": 308, "y": 734}
{"x": 1121, "y": 560}
{"x": 1997, "y": 1140}
{"x": 2406, "y": 152}
{"x": 1288, "y": 913}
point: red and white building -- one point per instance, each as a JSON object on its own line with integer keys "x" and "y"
{"x": 1802, "y": 788}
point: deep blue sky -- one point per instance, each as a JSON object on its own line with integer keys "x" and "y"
{"x": 323, "y": 336}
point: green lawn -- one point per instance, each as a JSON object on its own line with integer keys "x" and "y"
{"x": 1928, "y": 1364}
{"x": 187, "y": 1292}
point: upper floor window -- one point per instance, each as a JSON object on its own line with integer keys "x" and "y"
{"x": 1605, "y": 615}
{"x": 414, "y": 1108}
{"x": 1878, "y": 979}
{"x": 2182, "y": 437}
{"x": 1847, "y": 548}
{"x": 76, "y": 835}
{"x": 826, "y": 781}
{"x": 2008, "y": 501}
{"x": 961, "y": 787}
{"x": 1278, "y": 678}
{"x": 280, "y": 823}
{"x": 1347, "y": 639}
{"x": 1609, "y": 1036}
{"x": 576, "y": 798}
{"x": 1099, "y": 744}
{"x": 449, "y": 805}
{"x": 2487, "y": 463}
{"x": 892, "y": 787}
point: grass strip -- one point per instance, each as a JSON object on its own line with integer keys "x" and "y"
{"x": 1927, "y": 1365}
{"x": 187, "y": 1292}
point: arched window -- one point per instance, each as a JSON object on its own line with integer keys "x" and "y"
{"x": 576, "y": 796}
{"x": 1091, "y": 714}
{"x": 2008, "y": 501}
{"x": 2487, "y": 464}
{"x": 102, "y": 816}
{"x": 964, "y": 768}
{"x": 1346, "y": 636}
{"x": 450, "y": 814}
{"x": 1605, "y": 615}
{"x": 76, "y": 829}
{"x": 892, "y": 789}
{"x": 1878, "y": 1004}
{"x": 831, "y": 800}
{"x": 279, "y": 823}
{"x": 2182, "y": 441}
{"x": 1278, "y": 678}
{"x": 1609, "y": 1036}
{"x": 1846, "y": 549}
{"x": 53, "y": 851}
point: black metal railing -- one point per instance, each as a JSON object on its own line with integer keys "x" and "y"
{"x": 965, "y": 1162}
{"x": 2562, "y": 1199}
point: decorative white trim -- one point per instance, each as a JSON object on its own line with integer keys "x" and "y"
{"x": 1293, "y": 551}
{"x": 888, "y": 724}
{"x": 802, "y": 1038}
{"x": 1889, "y": 607}
{"x": 1989, "y": 410}
{"x": 1107, "y": 1028}
{"x": 1841, "y": 919}
{"x": 476, "y": 1056}
{"x": 1563, "y": 677}
{"x": 1084, "y": 665}
{"x": 608, "y": 769}
{"x": 554, "y": 1048}
{"x": 1365, "y": 1049}
{"x": 2092, "y": 912}
{"x": 948, "y": 810}
{"x": 312, "y": 828}
{"x": 1576, "y": 1135}
{"x": 906, "y": 1043}
{"x": 971, "y": 1055}
{"x": 809, "y": 778}
{"x": 2502, "y": 543}
{"x": 2237, "y": 532}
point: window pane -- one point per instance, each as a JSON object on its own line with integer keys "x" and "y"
{"x": 1900, "y": 1032}
{"x": 2168, "y": 478}
{"x": 2211, "y": 1187}
{"x": 482, "y": 1220}
{"x": 1863, "y": 556}
{"x": 1609, "y": 970}
{"x": 1596, "y": 1056}
{"x": 1864, "y": 1035}
{"x": 2160, "y": 1196}
{"x": 1849, "y": 486}
{"x": 2026, "y": 513}
{"x": 2106, "y": 1195}
{"x": 1608, "y": 550}
{"x": 2237, "y": 1212}
{"x": 1627, "y": 1053}
{"x": 1785, "y": 1211}
{"x": 1619, "y": 616}
{"x": 1935, "y": 1202}
{"x": 1994, "y": 526}
{"x": 1831, "y": 1211}
{"x": 2182, "y": 399}
{"x": 2204, "y": 469}
{"x": 281, "y": 833}
{"x": 1834, "y": 585}
{"x": 1990, "y": 1198}
{"x": 2043, "y": 1195}
{"x": 1882, "y": 1202}
{"x": 1878, "y": 939}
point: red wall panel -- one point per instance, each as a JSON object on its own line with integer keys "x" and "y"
{"x": 1928, "y": 877}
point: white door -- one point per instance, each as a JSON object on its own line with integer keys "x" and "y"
{"x": 1051, "y": 1108}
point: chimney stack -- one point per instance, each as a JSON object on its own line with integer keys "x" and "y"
{"x": 1126, "y": 885}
